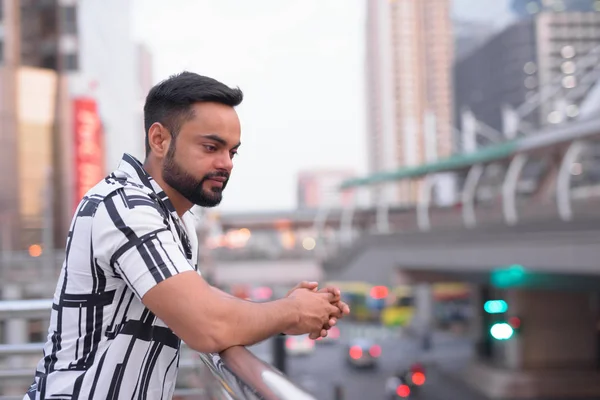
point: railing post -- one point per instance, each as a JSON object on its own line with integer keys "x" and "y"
{"x": 563, "y": 180}
{"x": 509, "y": 188}
{"x": 279, "y": 354}
{"x": 423, "y": 220}
{"x": 338, "y": 392}
{"x": 16, "y": 332}
{"x": 468, "y": 195}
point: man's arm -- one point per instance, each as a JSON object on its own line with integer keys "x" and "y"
{"x": 132, "y": 239}
{"x": 220, "y": 292}
{"x": 209, "y": 320}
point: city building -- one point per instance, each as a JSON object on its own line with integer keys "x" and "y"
{"x": 409, "y": 53}
{"x": 469, "y": 35}
{"x": 100, "y": 78}
{"x": 526, "y": 8}
{"x": 110, "y": 72}
{"x": 538, "y": 66}
{"x": 38, "y": 48}
{"x": 320, "y": 188}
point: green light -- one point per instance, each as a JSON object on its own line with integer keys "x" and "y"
{"x": 501, "y": 331}
{"x": 512, "y": 275}
{"x": 495, "y": 306}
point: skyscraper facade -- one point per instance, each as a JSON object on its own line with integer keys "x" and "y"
{"x": 409, "y": 50}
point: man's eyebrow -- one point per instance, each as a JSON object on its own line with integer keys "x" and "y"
{"x": 220, "y": 140}
{"x": 216, "y": 138}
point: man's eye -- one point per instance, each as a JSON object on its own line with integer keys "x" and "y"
{"x": 210, "y": 148}
{"x": 233, "y": 154}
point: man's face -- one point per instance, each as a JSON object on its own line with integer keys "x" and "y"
{"x": 199, "y": 160}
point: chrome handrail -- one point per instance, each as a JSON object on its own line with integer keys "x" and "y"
{"x": 236, "y": 373}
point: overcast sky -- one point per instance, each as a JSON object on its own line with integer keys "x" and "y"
{"x": 300, "y": 65}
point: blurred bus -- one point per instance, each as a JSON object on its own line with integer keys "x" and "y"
{"x": 395, "y": 306}
{"x": 355, "y": 294}
{"x": 400, "y": 308}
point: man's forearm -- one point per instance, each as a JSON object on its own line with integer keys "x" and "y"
{"x": 223, "y": 293}
{"x": 246, "y": 323}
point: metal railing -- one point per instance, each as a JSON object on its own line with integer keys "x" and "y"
{"x": 234, "y": 374}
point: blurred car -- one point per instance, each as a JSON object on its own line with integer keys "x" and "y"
{"x": 405, "y": 382}
{"x": 333, "y": 336}
{"x": 363, "y": 353}
{"x": 299, "y": 345}
{"x": 396, "y": 388}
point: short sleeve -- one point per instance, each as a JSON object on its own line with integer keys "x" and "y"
{"x": 131, "y": 236}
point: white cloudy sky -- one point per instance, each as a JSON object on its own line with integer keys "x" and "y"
{"x": 300, "y": 64}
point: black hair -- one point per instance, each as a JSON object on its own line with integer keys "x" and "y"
{"x": 170, "y": 101}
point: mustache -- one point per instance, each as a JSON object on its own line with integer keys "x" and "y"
{"x": 218, "y": 174}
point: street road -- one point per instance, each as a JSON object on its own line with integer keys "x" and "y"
{"x": 325, "y": 368}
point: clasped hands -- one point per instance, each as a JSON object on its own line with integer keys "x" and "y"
{"x": 339, "y": 310}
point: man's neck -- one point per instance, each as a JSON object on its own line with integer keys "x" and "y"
{"x": 180, "y": 203}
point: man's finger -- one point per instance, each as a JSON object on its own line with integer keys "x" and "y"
{"x": 304, "y": 285}
{"x": 307, "y": 285}
{"x": 313, "y": 336}
{"x": 343, "y": 307}
{"x": 333, "y": 290}
{"x": 331, "y": 298}
{"x": 335, "y": 312}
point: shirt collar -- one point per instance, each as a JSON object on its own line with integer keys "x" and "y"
{"x": 134, "y": 170}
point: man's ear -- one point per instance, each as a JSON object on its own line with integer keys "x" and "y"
{"x": 159, "y": 139}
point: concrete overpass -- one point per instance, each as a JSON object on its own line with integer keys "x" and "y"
{"x": 528, "y": 233}
{"x": 546, "y": 220}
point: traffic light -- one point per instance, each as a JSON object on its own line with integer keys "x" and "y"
{"x": 505, "y": 330}
{"x": 495, "y": 306}
{"x": 501, "y": 331}
{"x": 510, "y": 276}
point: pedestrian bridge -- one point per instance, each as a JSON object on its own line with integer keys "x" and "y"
{"x": 533, "y": 202}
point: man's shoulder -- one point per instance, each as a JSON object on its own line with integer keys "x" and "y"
{"x": 112, "y": 186}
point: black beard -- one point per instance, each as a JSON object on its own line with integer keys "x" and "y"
{"x": 190, "y": 187}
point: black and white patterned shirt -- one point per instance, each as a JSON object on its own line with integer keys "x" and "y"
{"x": 103, "y": 343}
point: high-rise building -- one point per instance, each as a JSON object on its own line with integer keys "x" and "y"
{"x": 109, "y": 72}
{"x": 409, "y": 48}
{"x": 544, "y": 58}
{"x": 38, "y": 46}
{"x": 526, "y": 8}
{"x": 469, "y": 35}
{"x": 320, "y": 188}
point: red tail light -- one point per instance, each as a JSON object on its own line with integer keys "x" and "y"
{"x": 375, "y": 351}
{"x": 403, "y": 391}
{"x": 417, "y": 368}
{"x": 418, "y": 378}
{"x": 355, "y": 352}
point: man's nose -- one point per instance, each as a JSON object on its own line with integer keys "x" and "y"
{"x": 224, "y": 162}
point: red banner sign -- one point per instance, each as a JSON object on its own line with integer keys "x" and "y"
{"x": 88, "y": 147}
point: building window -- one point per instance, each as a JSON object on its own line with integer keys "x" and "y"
{"x": 49, "y": 61}
{"x": 71, "y": 62}
{"x": 69, "y": 20}
{"x": 48, "y": 22}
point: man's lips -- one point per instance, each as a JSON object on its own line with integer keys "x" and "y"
{"x": 218, "y": 179}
